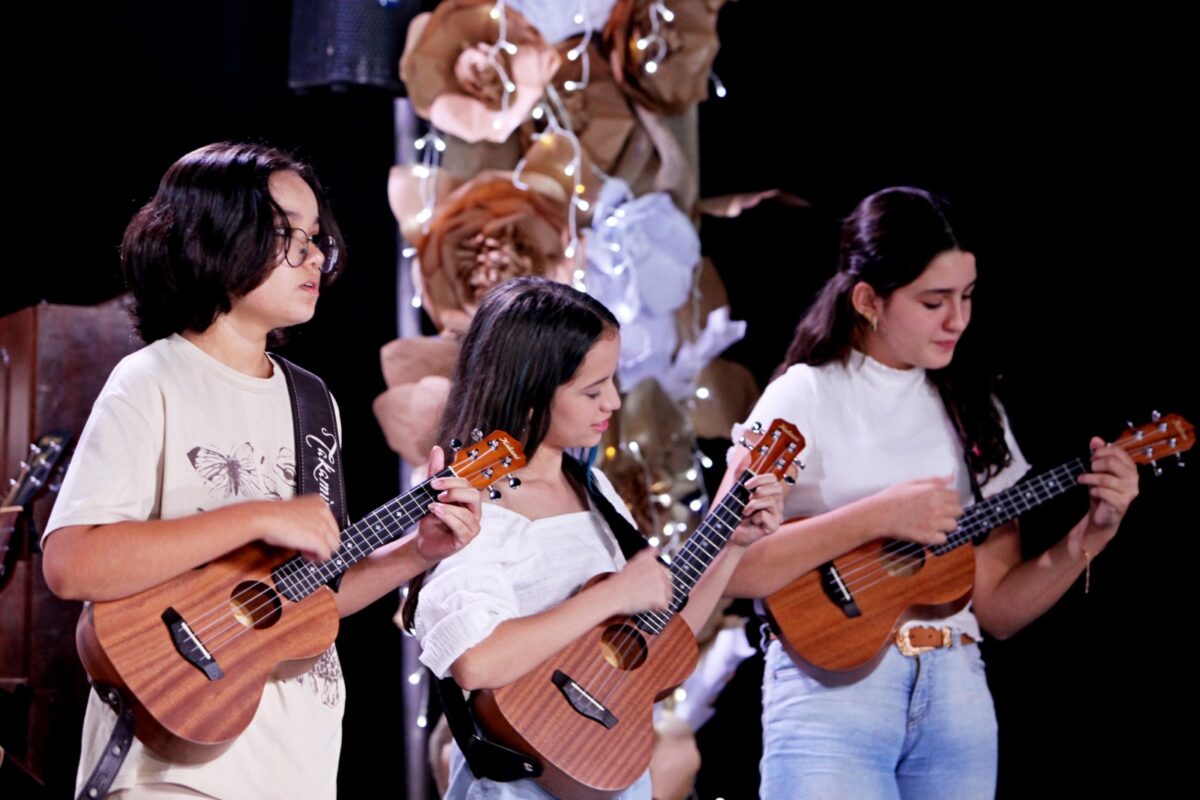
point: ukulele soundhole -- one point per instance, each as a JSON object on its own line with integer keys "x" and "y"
{"x": 902, "y": 559}
{"x": 255, "y": 605}
{"x": 623, "y": 646}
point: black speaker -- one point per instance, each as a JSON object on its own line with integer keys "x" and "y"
{"x": 342, "y": 43}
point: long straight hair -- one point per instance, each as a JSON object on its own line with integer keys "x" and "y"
{"x": 887, "y": 242}
{"x": 528, "y": 338}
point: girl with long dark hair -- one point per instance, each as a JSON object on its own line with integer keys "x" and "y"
{"x": 898, "y": 423}
{"x": 539, "y": 361}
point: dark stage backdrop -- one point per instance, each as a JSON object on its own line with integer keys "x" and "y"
{"x": 1062, "y": 139}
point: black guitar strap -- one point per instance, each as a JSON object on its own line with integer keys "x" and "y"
{"x": 318, "y": 446}
{"x": 318, "y": 471}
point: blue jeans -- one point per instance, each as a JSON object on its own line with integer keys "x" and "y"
{"x": 915, "y": 728}
{"x": 465, "y": 786}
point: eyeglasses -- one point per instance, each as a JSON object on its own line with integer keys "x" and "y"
{"x": 296, "y": 253}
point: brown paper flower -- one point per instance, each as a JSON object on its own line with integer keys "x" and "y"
{"x": 453, "y": 83}
{"x": 653, "y": 462}
{"x": 683, "y": 53}
{"x": 730, "y": 206}
{"x": 599, "y": 113}
{"x": 405, "y": 185}
{"x": 417, "y": 373}
{"x": 484, "y": 233}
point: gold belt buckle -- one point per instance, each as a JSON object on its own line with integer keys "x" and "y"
{"x": 906, "y": 647}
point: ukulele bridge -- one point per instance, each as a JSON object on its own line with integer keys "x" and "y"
{"x": 582, "y": 701}
{"x": 190, "y": 647}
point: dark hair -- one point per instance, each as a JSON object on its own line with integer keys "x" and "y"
{"x": 208, "y": 236}
{"x": 888, "y": 241}
{"x": 528, "y": 338}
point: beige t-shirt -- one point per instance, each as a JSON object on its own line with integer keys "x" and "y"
{"x": 175, "y": 432}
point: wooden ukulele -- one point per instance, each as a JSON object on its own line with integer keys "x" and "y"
{"x": 840, "y": 617}
{"x": 193, "y": 654}
{"x": 585, "y": 714}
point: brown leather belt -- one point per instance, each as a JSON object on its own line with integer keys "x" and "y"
{"x": 917, "y": 639}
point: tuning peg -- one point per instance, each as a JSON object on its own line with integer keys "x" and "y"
{"x": 473, "y": 453}
{"x": 513, "y": 481}
{"x": 12, "y": 482}
{"x": 34, "y": 450}
{"x": 22, "y": 465}
{"x": 493, "y": 444}
{"x": 1179, "y": 462}
{"x": 489, "y": 472}
{"x": 493, "y": 493}
{"x": 1157, "y": 468}
{"x": 456, "y": 444}
{"x": 476, "y": 435}
{"x": 756, "y": 428}
{"x": 742, "y": 441}
{"x": 1155, "y": 416}
{"x": 789, "y": 480}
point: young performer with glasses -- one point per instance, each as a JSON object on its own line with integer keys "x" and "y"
{"x": 188, "y": 453}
